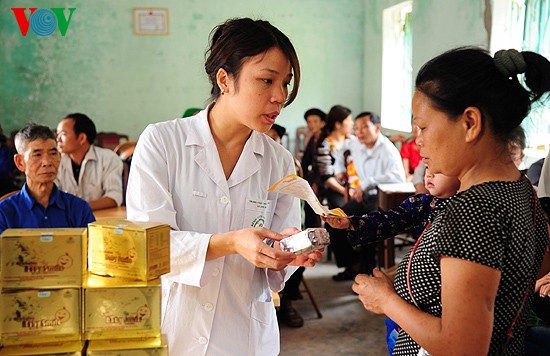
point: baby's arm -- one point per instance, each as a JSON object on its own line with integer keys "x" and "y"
{"x": 381, "y": 225}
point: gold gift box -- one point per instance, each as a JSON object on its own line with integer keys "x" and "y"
{"x": 129, "y": 347}
{"x": 72, "y": 348}
{"x": 121, "y": 308}
{"x": 40, "y": 316}
{"x": 43, "y": 258}
{"x": 134, "y": 250}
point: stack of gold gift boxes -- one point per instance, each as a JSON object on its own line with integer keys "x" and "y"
{"x": 92, "y": 291}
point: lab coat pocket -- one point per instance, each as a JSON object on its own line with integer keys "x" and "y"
{"x": 264, "y": 333}
{"x": 263, "y": 312}
{"x": 168, "y": 305}
{"x": 258, "y": 213}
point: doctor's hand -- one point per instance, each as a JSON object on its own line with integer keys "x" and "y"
{"x": 250, "y": 243}
{"x": 374, "y": 291}
{"x": 307, "y": 259}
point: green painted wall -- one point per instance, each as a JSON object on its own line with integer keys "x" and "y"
{"x": 438, "y": 25}
{"x": 441, "y": 25}
{"x": 123, "y": 81}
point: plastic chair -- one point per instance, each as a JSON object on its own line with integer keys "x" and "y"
{"x": 190, "y": 112}
{"x": 299, "y": 170}
{"x": 285, "y": 141}
{"x": 7, "y": 195}
{"x": 125, "y": 149}
{"x": 302, "y": 136}
{"x": 311, "y": 298}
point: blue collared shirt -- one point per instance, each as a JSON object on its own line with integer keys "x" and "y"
{"x": 64, "y": 210}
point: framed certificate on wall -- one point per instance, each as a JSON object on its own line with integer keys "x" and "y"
{"x": 149, "y": 21}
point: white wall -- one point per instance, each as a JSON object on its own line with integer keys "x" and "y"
{"x": 123, "y": 81}
{"x": 438, "y": 25}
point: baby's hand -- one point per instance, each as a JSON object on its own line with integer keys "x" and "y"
{"x": 337, "y": 223}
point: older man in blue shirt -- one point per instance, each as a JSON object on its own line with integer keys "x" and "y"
{"x": 40, "y": 204}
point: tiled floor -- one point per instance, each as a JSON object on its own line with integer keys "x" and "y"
{"x": 346, "y": 328}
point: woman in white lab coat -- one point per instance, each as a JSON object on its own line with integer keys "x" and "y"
{"x": 208, "y": 176}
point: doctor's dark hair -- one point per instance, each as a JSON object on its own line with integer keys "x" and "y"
{"x": 469, "y": 76}
{"x": 30, "y": 133}
{"x": 236, "y": 40}
{"x": 83, "y": 124}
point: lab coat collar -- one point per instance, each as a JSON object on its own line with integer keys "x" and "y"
{"x": 203, "y": 135}
{"x": 249, "y": 161}
{"x": 201, "y": 130}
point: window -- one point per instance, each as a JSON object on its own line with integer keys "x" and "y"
{"x": 525, "y": 25}
{"x": 397, "y": 67}
{"x": 536, "y": 38}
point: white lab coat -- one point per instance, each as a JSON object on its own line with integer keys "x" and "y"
{"x": 222, "y": 306}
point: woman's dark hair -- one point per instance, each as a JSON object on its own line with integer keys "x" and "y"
{"x": 517, "y": 143}
{"x": 337, "y": 113}
{"x": 517, "y": 138}
{"x": 318, "y": 112}
{"x": 236, "y": 40}
{"x": 468, "y": 76}
{"x": 30, "y": 133}
{"x": 83, "y": 124}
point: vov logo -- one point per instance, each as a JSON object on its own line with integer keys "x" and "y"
{"x": 43, "y": 22}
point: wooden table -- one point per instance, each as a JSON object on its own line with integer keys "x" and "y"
{"x": 390, "y": 196}
{"x": 117, "y": 212}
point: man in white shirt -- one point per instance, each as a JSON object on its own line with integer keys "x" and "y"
{"x": 87, "y": 171}
{"x": 377, "y": 161}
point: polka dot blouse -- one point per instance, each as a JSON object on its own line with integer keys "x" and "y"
{"x": 491, "y": 224}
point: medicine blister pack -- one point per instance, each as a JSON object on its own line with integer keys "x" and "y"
{"x": 305, "y": 241}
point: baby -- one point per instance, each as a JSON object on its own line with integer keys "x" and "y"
{"x": 413, "y": 215}
{"x": 410, "y": 216}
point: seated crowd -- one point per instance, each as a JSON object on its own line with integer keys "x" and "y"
{"x": 86, "y": 170}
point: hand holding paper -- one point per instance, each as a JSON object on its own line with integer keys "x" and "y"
{"x": 300, "y": 188}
